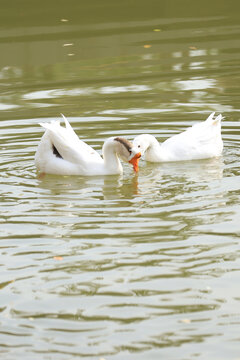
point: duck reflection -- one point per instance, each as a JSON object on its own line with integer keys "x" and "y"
{"x": 98, "y": 188}
{"x": 129, "y": 185}
{"x": 198, "y": 170}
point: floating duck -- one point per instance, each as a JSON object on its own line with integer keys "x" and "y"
{"x": 61, "y": 152}
{"x": 201, "y": 141}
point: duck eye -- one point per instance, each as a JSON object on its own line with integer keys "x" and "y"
{"x": 138, "y": 146}
{"x": 130, "y": 152}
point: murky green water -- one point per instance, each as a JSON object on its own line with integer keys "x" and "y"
{"x": 121, "y": 267}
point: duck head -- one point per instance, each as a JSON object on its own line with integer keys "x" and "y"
{"x": 128, "y": 152}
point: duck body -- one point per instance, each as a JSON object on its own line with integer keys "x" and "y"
{"x": 201, "y": 141}
{"x": 61, "y": 152}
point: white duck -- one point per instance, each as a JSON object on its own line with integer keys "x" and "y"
{"x": 201, "y": 141}
{"x": 61, "y": 152}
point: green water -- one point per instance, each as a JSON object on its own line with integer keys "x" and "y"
{"x": 119, "y": 267}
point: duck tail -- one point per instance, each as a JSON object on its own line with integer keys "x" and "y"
{"x": 55, "y": 124}
{"x": 210, "y": 118}
{"x": 69, "y": 128}
{"x": 67, "y": 124}
{"x": 218, "y": 119}
{"x": 51, "y": 125}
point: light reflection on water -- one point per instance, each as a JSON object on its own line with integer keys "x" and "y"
{"x": 127, "y": 266}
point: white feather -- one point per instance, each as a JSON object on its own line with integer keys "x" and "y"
{"x": 202, "y": 140}
{"x": 77, "y": 158}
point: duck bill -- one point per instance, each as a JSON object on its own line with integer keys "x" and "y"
{"x": 134, "y": 161}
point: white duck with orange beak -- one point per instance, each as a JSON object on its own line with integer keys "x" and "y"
{"x": 61, "y": 152}
{"x": 201, "y": 141}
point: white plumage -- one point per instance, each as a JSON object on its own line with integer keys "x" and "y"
{"x": 61, "y": 152}
{"x": 201, "y": 141}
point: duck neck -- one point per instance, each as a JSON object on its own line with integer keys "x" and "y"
{"x": 110, "y": 157}
{"x": 153, "y": 151}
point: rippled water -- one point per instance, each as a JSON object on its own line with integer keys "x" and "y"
{"x": 139, "y": 266}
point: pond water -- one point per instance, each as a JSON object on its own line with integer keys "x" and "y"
{"x": 127, "y": 267}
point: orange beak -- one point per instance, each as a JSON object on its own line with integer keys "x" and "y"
{"x": 134, "y": 161}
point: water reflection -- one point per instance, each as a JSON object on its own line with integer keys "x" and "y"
{"x": 185, "y": 171}
{"x": 186, "y": 51}
{"x": 149, "y": 178}
{"x": 50, "y": 94}
{"x": 98, "y": 188}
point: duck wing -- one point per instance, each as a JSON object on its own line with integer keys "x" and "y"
{"x": 200, "y": 140}
{"x": 205, "y": 133}
{"x": 68, "y": 146}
